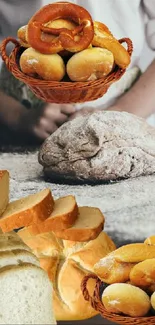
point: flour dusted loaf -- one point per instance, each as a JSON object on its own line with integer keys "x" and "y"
{"x": 100, "y": 147}
{"x": 67, "y": 262}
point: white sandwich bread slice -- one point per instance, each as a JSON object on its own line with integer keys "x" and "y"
{"x": 26, "y": 296}
{"x": 17, "y": 257}
{"x": 31, "y": 209}
{"x": 4, "y": 190}
{"x": 13, "y": 243}
{"x": 64, "y": 215}
{"x": 89, "y": 224}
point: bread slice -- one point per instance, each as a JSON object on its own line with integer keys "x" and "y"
{"x": 31, "y": 209}
{"x": 4, "y": 190}
{"x": 16, "y": 257}
{"x": 12, "y": 244}
{"x": 26, "y": 296}
{"x": 88, "y": 226}
{"x": 63, "y": 216}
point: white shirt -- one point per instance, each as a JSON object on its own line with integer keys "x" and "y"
{"x": 125, "y": 18}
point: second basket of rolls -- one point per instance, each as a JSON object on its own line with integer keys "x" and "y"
{"x": 65, "y": 57}
{"x": 125, "y": 284}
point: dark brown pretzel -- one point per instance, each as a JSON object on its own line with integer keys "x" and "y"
{"x": 65, "y": 39}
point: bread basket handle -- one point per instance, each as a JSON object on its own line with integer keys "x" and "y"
{"x": 85, "y": 292}
{"x": 3, "y": 46}
{"x": 129, "y": 44}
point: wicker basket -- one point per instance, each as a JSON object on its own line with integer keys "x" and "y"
{"x": 61, "y": 92}
{"x": 96, "y": 303}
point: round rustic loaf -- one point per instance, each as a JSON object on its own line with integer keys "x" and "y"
{"x": 67, "y": 262}
{"x": 100, "y": 147}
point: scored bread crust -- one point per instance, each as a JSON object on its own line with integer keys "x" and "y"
{"x": 36, "y": 213}
{"x": 70, "y": 262}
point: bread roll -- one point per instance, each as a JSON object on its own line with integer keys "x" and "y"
{"x": 153, "y": 301}
{"x": 134, "y": 253}
{"x": 43, "y": 66}
{"x": 110, "y": 271}
{"x": 124, "y": 298}
{"x": 143, "y": 274}
{"x": 90, "y": 64}
{"x": 150, "y": 240}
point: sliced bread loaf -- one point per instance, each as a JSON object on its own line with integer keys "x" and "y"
{"x": 63, "y": 216}
{"x": 4, "y": 190}
{"x": 25, "y": 296}
{"x": 88, "y": 226}
{"x": 31, "y": 209}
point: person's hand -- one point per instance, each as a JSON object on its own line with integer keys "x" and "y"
{"x": 43, "y": 122}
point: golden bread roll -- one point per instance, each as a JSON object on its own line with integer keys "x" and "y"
{"x": 110, "y": 271}
{"x": 143, "y": 274}
{"x": 47, "y": 67}
{"x": 66, "y": 263}
{"x": 58, "y": 23}
{"x": 22, "y": 36}
{"x": 150, "y": 240}
{"x": 134, "y": 253}
{"x": 124, "y": 298}
{"x": 90, "y": 64}
{"x": 153, "y": 301}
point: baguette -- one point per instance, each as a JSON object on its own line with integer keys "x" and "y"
{"x": 4, "y": 190}
{"x": 88, "y": 226}
{"x": 28, "y": 299}
{"x": 134, "y": 253}
{"x": 63, "y": 216}
{"x": 31, "y": 209}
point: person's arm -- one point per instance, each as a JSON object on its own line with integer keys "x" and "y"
{"x": 140, "y": 99}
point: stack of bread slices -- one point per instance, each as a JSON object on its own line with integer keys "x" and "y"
{"x": 26, "y": 291}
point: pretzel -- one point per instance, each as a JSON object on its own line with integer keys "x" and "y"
{"x": 104, "y": 38}
{"x": 65, "y": 39}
